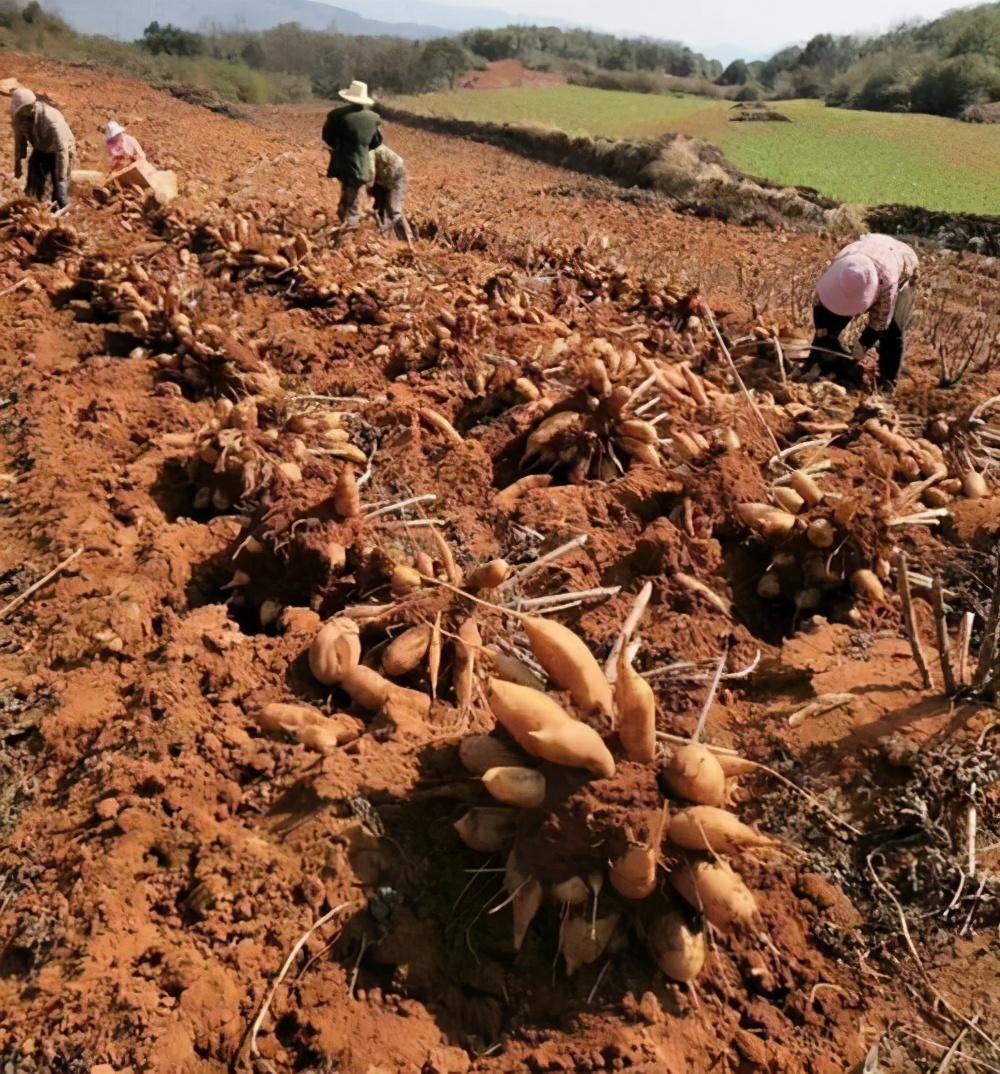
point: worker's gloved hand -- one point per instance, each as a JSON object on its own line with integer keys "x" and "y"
{"x": 869, "y": 337}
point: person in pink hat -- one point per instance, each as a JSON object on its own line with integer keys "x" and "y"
{"x": 877, "y": 276}
{"x": 123, "y": 150}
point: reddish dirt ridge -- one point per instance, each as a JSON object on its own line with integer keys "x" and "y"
{"x": 508, "y": 74}
{"x": 184, "y": 395}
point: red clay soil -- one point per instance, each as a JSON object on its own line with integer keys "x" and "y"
{"x": 508, "y": 74}
{"x": 163, "y": 853}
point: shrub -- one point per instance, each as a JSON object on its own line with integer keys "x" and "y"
{"x": 645, "y": 82}
{"x": 171, "y": 40}
{"x": 882, "y": 93}
{"x": 948, "y": 87}
{"x": 881, "y": 82}
{"x": 736, "y": 74}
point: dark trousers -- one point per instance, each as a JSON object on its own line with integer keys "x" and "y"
{"x": 42, "y": 172}
{"x": 389, "y": 202}
{"x": 890, "y": 344}
{"x": 349, "y": 209}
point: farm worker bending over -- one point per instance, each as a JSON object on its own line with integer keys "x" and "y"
{"x": 122, "y": 149}
{"x": 351, "y": 132}
{"x": 876, "y": 275}
{"x": 44, "y": 128}
{"x": 389, "y": 192}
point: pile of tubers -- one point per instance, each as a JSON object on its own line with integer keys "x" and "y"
{"x": 244, "y": 245}
{"x": 534, "y": 767}
{"x": 587, "y": 810}
{"x": 815, "y": 529}
{"x": 236, "y": 454}
{"x": 609, "y": 422}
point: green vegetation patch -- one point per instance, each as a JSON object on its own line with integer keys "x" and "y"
{"x": 866, "y": 157}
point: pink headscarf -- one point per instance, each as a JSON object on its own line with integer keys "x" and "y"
{"x": 849, "y": 287}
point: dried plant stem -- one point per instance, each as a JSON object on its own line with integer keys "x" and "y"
{"x": 500, "y": 609}
{"x": 944, "y": 644}
{"x": 913, "y": 492}
{"x": 910, "y": 621}
{"x": 811, "y": 798}
{"x": 628, "y": 628}
{"x": 691, "y": 665}
{"x": 282, "y": 973}
{"x": 971, "y": 824}
{"x": 739, "y": 380}
{"x": 414, "y": 523}
{"x": 931, "y": 517}
{"x": 16, "y": 287}
{"x": 934, "y": 993}
{"x": 780, "y": 351}
{"x": 328, "y": 399}
{"x": 542, "y": 561}
{"x": 575, "y": 597}
{"x": 641, "y": 390}
{"x": 43, "y": 581}
{"x": 710, "y": 698}
{"x": 428, "y": 497}
{"x": 987, "y": 652}
{"x": 367, "y": 475}
{"x": 810, "y": 471}
{"x": 964, "y": 639}
{"x": 802, "y": 445}
{"x": 944, "y": 1047}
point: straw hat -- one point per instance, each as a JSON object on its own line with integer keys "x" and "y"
{"x": 113, "y": 130}
{"x": 357, "y": 94}
{"x": 849, "y": 286}
{"x": 8, "y": 85}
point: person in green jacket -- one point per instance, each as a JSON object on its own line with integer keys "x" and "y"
{"x": 351, "y": 132}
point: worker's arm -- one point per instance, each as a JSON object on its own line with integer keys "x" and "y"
{"x": 880, "y": 315}
{"x": 377, "y": 136}
{"x": 133, "y": 152}
{"x": 20, "y": 150}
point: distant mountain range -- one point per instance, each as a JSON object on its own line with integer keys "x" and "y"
{"x": 126, "y": 19}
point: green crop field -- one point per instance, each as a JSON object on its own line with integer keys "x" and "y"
{"x": 864, "y": 157}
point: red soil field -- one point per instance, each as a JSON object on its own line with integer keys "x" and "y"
{"x": 188, "y": 397}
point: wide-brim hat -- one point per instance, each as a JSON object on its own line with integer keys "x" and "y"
{"x": 849, "y": 286}
{"x": 357, "y": 93}
{"x": 8, "y": 85}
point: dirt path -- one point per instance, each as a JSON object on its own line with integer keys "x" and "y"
{"x": 163, "y": 851}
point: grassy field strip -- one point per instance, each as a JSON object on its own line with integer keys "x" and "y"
{"x": 866, "y": 157}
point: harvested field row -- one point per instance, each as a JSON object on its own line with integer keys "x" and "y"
{"x": 422, "y": 617}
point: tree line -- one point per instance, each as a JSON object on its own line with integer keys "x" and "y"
{"x": 947, "y": 67}
{"x": 326, "y": 59}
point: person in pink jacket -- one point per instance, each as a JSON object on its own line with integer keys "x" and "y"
{"x": 877, "y": 276}
{"x": 123, "y": 150}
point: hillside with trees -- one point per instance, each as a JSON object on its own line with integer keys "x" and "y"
{"x": 283, "y": 63}
{"x": 538, "y": 46}
{"x": 947, "y": 67}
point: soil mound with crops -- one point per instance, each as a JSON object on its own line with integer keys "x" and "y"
{"x": 490, "y": 655}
